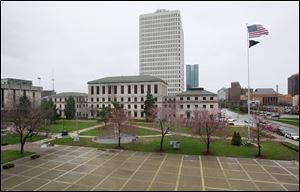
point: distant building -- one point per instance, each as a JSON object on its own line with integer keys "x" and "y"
{"x": 81, "y": 103}
{"x": 296, "y": 101}
{"x": 192, "y": 76}
{"x": 235, "y": 92}
{"x": 161, "y": 46}
{"x": 293, "y": 84}
{"x": 48, "y": 93}
{"x": 129, "y": 91}
{"x": 13, "y": 89}
{"x": 223, "y": 94}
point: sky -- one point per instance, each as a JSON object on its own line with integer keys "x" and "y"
{"x": 77, "y": 42}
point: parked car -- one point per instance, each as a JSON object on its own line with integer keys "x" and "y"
{"x": 275, "y": 115}
{"x": 293, "y": 136}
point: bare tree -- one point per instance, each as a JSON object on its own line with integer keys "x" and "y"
{"x": 120, "y": 121}
{"x": 205, "y": 123}
{"x": 166, "y": 118}
{"x": 261, "y": 128}
{"x": 26, "y": 119}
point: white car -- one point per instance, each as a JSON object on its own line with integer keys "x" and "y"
{"x": 293, "y": 136}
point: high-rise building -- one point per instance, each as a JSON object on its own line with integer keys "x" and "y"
{"x": 161, "y": 48}
{"x": 192, "y": 76}
{"x": 293, "y": 84}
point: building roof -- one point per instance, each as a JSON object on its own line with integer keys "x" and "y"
{"x": 265, "y": 91}
{"x": 68, "y": 94}
{"x": 197, "y": 92}
{"x": 127, "y": 79}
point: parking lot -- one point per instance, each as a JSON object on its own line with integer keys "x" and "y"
{"x": 81, "y": 168}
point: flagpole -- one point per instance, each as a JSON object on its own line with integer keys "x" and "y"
{"x": 248, "y": 141}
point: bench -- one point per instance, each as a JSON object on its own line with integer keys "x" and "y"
{"x": 175, "y": 144}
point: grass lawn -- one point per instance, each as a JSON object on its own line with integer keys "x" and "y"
{"x": 10, "y": 155}
{"x": 139, "y": 131}
{"x": 193, "y": 146}
{"x": 70, "y": 125}
{"x": 15, "y": 138}
{"x": 290, "y": 121}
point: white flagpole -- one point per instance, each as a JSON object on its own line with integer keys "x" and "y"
{"x": 248, "y": 141}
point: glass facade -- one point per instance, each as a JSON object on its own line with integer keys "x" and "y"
{"x": 192, "y": 76}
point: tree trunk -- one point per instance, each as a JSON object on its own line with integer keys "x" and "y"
{"x": 161, "y": 142}
{"x": 22, "y": 147}
{"x": 258, "y": 142}
{"x": 119, "y": 145}
{"x": 207, "y": 145}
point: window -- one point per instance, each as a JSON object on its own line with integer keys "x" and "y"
{"x": 211, "y": 106}
{"x": 142, "y": 114}
{"x": 55, "y": 99}
{"x": 98, "y": 90}
{"x": 122, "y": 99}
{"x": 115, "y": 89}
{"x": 181, "y": 106}
{"x": 142, "y": 99}
{"x": 129, "y": 89}
{"x": 59, "y": 99}
{"x": 122, "y": 106}
{"x": 128, "y": 106}
{"x": 109, "y": 89}
{"x": 92, "y": 100}
{"x": 135, "y": 106}
{"x": 97, "y": 106}
{"x": 149, "y": 88}
{"x": 155, "y": 88}
{"x": 142, "y": 88}
{"x": 155, "y": 99}
{"x": 135, "y": 114}
{"x": 196, "y": 106}
{"x": 211, "y": 98}
{"x": 129, "y": 99}
{"x": 103, "y": 89}
{"x": 109, "y": 99}
{"x": 188, "y": 106}
{"x": 142, "y": 106}
{"x": 181, "y": 98}
{"x": 103, "y": 106}
{"x": 135, "y": 99}
{"x": 204, "y": 98}
{"x": 135, "y": 89}
{"x": 97, "y": 99}
{"x": 122, "y": 89}
{"x": 204, "y": 106}
{"x": 103, "y": 99}
{"x": 115, "y": 99}
{"x": 92, "y": 90}
{"x": 196, "y": 98}
{"x": 188, "y": 98}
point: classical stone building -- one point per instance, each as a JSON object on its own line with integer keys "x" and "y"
{"x": 13, "y": 89}
{"x": 81, "y": 104}
{"x": 129, "y": 91}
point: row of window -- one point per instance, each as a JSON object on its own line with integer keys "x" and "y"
{"x": 159, "y": 25}
{"x": 174, "y": 58}
{"x": 162, "y": 64}
{"x": 160, "y": 51}
{"x": 160, "y": 55}
{"x": 160, "y": 42}
{"x": 128, "y": 106}
{"x": 195, "y": 98}
{"x": 121, "y": 99}
{"x": 146, "y": 17}
{"x": 161, "y": 20}
{"x": 196, "y": 106}
{"x": 60, "y": 106}
{"x": 155, "y": 47}
{"x": 113, "y": 89}
{"x": 159, "y": 33}
{"x": 145, "y": 31}
{"x": 158, "y": 38}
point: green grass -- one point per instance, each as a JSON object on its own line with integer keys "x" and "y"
{"x": 70, "y": 125}
{"x": 289, "y": 121}
{"x": 15, "y": 138}
{"x": 290, "y": 118}
{"x": 194, "y": 146}
{"x": 10, "y": 155}
{"x": 139, "y": 131}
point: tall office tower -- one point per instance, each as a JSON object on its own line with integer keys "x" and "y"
{"x": 192, "y": 76}
{"x": 161, "y": 48}
{"x": 293, "y": 84}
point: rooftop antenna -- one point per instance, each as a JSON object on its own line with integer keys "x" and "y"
{"x": 52, "y": 79}
{"x": 39, "y": 78}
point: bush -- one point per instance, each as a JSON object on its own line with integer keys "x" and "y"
{"x": 236, "y": 139}
{"x": 35, "y": 156}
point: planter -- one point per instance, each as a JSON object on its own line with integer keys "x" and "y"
{"x": 8, "y": 166}
{"x": 35, "y": 156}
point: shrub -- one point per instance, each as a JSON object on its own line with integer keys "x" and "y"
{"x": 236, "y": 139}
{"x": 35, "y": 156}
{"x": 8, "y": 166}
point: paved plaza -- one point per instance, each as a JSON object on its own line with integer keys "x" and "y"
{"x": 70, "y": 168}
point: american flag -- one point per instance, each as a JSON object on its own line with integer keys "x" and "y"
{"x": 257, "y": 31}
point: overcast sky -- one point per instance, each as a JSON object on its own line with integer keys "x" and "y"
{"x": 84, "y": 41}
